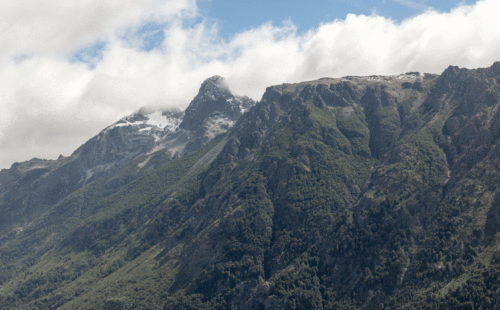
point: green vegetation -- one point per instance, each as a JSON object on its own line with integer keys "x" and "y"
{"x": 347, "y": 206}
{"x": 100, "y": 243}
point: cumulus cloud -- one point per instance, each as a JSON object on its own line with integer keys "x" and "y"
{"x": 51, "y": 105}
{"x": 60, "y": 26}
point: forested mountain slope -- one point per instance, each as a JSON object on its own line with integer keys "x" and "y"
{"x": 360, "y": 192}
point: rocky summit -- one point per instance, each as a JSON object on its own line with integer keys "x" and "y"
{"x": 377, "y": 192}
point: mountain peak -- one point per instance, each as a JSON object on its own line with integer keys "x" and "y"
{"x": 215, "y": 101}
{"x": 451, "y": 71}
{"x": 495, "y": 68}
{"x": 215, "y": 86}
{"x": 214, "y": 79}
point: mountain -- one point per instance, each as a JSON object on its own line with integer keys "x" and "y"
{"x": 351, "y": 193}
{"x": 29, "y": 189}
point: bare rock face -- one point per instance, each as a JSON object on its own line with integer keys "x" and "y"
{"x": 213, "y": 100}
{"x": 213, "y": 111}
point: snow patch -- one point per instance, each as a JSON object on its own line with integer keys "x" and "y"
{"x": 159, "y": 120}
{"x": 406, "y": 77}
{"x": 129, "y": 124}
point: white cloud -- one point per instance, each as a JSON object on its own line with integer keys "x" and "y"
{"x": 50, "y": 105}
{"x": 61, "y": 26}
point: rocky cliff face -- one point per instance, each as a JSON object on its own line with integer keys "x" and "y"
{"x": 213, "y": 111}
{"x": 358, "y": 192}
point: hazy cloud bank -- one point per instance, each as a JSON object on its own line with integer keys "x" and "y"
{"x": 51, "y": 105}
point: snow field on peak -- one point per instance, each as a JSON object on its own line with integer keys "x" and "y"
{"x": 129, "y": 124}
{"x": 161, "y": 121}
{"x": 153, "y": 120}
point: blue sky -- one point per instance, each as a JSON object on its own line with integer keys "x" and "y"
{"x": 237, "y": 16}
{"x": 70, "y": 68}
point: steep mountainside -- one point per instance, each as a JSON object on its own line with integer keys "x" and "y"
{"x": 29, "y": 189}
{"x": 353, "y": 193}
